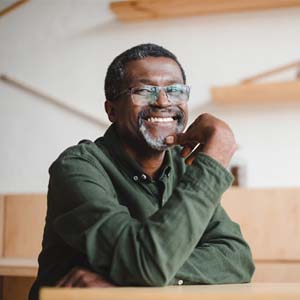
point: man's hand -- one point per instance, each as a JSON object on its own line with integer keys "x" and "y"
{"x": 78, "y": 277}
{"x": 209, "y": 135}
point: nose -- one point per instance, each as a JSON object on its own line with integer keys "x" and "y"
{"x": 162, "y": 100}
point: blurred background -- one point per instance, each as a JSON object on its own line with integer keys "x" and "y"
{"x": 242, "y": 60}
{"x": 63, "y": 48}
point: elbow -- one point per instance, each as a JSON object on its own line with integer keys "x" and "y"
{"x": 249, "y": 271}
{"x": 247, "y": 268}
{"x": 155, "y": 278}
{"x": 147, "y": 276}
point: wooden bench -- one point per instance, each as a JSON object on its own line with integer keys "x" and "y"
{"x": 269, "y": 219}
{"x": 22, "y": 219}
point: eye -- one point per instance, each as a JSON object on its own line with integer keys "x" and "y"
{"x": 143, "y": 91}
{"x": 175, "y": 89}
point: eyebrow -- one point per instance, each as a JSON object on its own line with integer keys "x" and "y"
{"x": 150, "y": 82}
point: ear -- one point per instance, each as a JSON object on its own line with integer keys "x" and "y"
{"x": 110, "y": 110}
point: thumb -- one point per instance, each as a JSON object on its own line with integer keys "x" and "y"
{"x": 180, "y": 139}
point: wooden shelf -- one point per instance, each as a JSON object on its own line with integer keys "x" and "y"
{"x": 288, "y": 91}
{"x": 18, "y": 267}
{"x": 135, "y": 10}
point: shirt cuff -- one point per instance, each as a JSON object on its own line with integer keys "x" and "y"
{"x": 209, "y": 175}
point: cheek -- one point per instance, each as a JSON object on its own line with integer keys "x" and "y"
{"x": 184, "y": 109}
{"x": 131, "y": 117}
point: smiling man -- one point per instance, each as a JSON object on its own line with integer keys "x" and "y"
{"x": 140, "y": 206}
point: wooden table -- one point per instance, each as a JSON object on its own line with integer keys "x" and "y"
{"x": 253, "y": 291}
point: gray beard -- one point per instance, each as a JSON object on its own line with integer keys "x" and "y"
{"x": 157, "y": 143}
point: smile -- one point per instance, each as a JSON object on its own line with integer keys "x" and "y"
{"x": 160, "y": 120}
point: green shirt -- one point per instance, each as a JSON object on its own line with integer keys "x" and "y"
{"x": 106, "y": 215}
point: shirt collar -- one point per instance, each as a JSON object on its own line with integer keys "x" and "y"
{"x": 111, "y": 141}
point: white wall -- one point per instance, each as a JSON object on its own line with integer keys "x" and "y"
{"x": 63, "y": 47}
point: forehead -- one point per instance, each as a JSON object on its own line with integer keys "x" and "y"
{"x": 153, "y": 70}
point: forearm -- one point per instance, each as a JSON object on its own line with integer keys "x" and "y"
{"x": 222, "y": 256}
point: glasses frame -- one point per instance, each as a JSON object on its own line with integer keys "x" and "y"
{"x": 130, "y": 91}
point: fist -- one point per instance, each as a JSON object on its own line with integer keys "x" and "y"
{"x": 79, "y": 277}
{"x": 208, "y": 135}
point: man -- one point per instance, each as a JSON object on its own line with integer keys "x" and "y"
{"x": 141, "y": 205}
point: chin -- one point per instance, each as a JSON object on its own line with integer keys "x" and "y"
{"x": 157, "y": 141}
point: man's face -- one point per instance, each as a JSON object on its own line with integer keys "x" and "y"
{"x": 151, "y": 123}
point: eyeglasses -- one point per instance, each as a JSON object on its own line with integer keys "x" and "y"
{"x": 149, "y": 94}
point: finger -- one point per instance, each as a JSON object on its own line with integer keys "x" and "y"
{"x": 187, "y": 149}
{"x": 70, "y": 278}
{"x": 193, "y": 155}
{"x": 176, "y": 139}
{"x": 65, "y": 279}
{"x": 103, "y": 283}
{"x": 170, "y": 140}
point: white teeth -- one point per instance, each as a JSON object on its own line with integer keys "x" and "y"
{"x": 168, "y": 119}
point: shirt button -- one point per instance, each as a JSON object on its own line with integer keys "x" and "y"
{"x": 144, "y": 177}
{"x": 135, "y": 178}
{"x": 180, "y": 282}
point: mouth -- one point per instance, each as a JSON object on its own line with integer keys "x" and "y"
{"x": 160, "y": 119}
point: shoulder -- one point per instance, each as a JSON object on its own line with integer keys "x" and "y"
{"x": 86, "y": 153}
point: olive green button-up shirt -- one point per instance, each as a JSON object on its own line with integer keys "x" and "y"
{"x": 105, "y": 214}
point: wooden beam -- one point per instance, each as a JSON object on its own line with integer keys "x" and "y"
{"x": 294, "y": 65}
{"x": 12, "y": 7}
{"x": 54, "y": 101}
{"x": 156, "y": 9}
{"x": 288, "y": 91}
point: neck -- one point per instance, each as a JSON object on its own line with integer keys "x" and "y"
{"x": 149, "y": 160}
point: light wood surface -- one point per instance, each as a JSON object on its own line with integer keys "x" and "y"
{"x": 281, "y": 92}
{"x": 23, "y": 225}
{"x": 134, "y": 10}
{"x": 216, "y": 292}
{"x": 269, "y": 219}
{"x": 24, "y": 267}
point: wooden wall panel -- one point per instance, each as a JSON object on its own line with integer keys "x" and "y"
{"x": 24, "y": 223}
{"x": 269, "y": 219}
{"x": 16, "y": 288}
{"x": 276, "y": 272}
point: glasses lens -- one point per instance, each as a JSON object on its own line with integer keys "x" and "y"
{"x": 144, "y": 95}
{"x": 178, "y": 93}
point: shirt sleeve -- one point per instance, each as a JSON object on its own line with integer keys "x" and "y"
{"x": 221, "y": 256}
{"x": 90, "y": 219}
